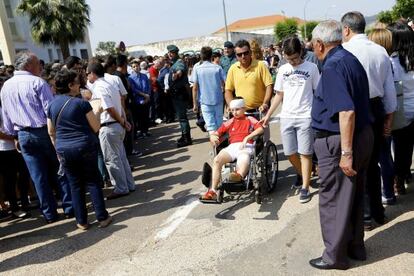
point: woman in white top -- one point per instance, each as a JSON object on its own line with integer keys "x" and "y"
{"x": 295, "y": 82}
{"x": 403, "y": 63}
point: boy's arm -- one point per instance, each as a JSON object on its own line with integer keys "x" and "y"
{"x": 258, "y": 131}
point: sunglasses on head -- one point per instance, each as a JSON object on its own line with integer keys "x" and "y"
{"x": 243, "y": 54}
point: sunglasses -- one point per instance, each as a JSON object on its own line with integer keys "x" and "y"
{"x": 234, "y": 109}
{"x": 243, "y": 54}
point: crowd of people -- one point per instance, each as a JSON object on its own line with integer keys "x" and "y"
{"x": 347, "y": 108}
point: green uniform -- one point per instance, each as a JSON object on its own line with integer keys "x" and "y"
{"x": 227, "y": 61}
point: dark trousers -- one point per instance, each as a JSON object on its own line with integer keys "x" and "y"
{"x": 387, "y": 169}
{"x": 180, "y": 105}
{"x": 141, "y": 117}
{"x": 373, "y": 208}
{"x": 14, "y": 170}
{"x": 42, "y": 163}
{"x": 129, "y": 135}
{"x": 341, "y": 197}
{"x": 81, "y": 169}
{"x": 403, "y": 150}
{"x": 166, "y": 107}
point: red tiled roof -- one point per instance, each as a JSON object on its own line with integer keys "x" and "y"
{"x": 257, "y": 23}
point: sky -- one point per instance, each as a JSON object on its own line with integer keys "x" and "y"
{"x": 145, "y": 21}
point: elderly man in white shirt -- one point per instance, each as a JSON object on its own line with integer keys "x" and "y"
{"x": 112, "y": 132}
{"x": 383, "y": 102}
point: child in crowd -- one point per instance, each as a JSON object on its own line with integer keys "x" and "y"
{"x": 241, "y": 130}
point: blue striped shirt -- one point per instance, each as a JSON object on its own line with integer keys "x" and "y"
{"x": 25, "y": 99}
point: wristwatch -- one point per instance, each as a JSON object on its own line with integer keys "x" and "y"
{"x": 346, "y": 153}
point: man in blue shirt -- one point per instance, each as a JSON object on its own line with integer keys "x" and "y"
{"x": 208, "y": 90}
{"x": 141, "y": 91}
{"x": 342, "y": 121}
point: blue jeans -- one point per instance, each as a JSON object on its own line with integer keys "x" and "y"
{"x": 81, "y": 169}
{"x": 43, "y": 165}
{"x": 213, "y": 116}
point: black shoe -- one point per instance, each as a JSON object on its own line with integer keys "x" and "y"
{"x": 115, "y": 196}
{"x": 53, "y": 220}
{"x": 357, "y": 256}
{"x": 319, "y": 263}
{"x": 21, "y": 214}
{"x": 69, "y": 215}
{"x": 185, "y": 142}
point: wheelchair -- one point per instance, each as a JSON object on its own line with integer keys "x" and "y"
{"x": 262, "y": 176}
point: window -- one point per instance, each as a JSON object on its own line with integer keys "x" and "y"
{"x": 50, "y": 53}
{"x": 84, "y": 54}
{"x": 59, "y": 54}
{"x": 13, "y": 29}
{"x": 9, "y": 10}
{"x": 75, "y": 52}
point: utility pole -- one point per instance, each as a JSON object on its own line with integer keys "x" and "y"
{"x": 304, "y": 18}
{"x": 225, "y": 21}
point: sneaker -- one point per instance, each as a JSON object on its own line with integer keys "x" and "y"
{"x": 388, "y": 201}
{"x": 158, "y": 121}
{"x": 137, "y": 153}
{"x": 209, "y": 195}
{"x": 83, "y": 227}
{"x": 298, "y": 183}
{"x": 139, "y": 135}
{"x": 304, "y": 196}
{"x": 146, "y": 134}
{"x": 20, "y": 214}
{"x": 106, "y": 222}
{"x": 235, "y": 177}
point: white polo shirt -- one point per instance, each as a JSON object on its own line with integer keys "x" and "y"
{"x": 109, "y": 97}
{"x": 375, "y": 60}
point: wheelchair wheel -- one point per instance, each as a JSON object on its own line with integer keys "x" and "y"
{"x": 220, "y": 195}
{"x": 270, "y": 167}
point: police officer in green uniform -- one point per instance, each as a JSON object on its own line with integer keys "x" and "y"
{"x": 229, "y": 56}
{"x": 178, "y": 82}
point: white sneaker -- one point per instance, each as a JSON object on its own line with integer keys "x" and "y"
{"x": 158, "y": 121}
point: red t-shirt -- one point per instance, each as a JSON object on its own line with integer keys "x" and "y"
{"x": 153, "y": 78}
{"x": 239, "y": 128}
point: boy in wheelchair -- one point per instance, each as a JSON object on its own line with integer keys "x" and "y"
{"x": 241, "y": 130}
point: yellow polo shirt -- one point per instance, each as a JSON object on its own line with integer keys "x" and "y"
{"x": 249, "y": 83}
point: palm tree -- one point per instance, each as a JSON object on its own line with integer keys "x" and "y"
{"x": 59, "y": 22}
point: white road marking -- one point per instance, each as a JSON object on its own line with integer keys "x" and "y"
{"x": 176, "y": 219}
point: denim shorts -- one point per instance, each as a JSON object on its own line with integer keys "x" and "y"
{"x": 297, "y": 136}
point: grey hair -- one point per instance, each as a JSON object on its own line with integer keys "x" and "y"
{"x": 329, "y": 31}
{"x": 23, "y": 59}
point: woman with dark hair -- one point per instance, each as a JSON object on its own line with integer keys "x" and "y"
{"x": 403, "y": 64}
{"x": 72, "y": 126}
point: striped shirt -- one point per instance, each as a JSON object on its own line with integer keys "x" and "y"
{"x": 25, "y": 99}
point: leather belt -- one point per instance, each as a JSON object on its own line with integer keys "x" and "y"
{"x": 108, "y": 123}
{"x": 324, "y": 133}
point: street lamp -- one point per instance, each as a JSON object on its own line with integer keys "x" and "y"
{"x": 225, "y": 21}
{"x": 304, "y": 17}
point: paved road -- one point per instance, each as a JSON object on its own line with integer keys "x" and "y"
{"x": 162, "y": 229}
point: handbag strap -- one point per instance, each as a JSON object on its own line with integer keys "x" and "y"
{"x": 60, "y": 112}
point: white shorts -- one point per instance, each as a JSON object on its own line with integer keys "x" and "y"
{"x": 234, "y": 150}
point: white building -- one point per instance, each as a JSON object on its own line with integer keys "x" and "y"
{"x": 15, "y": 36}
